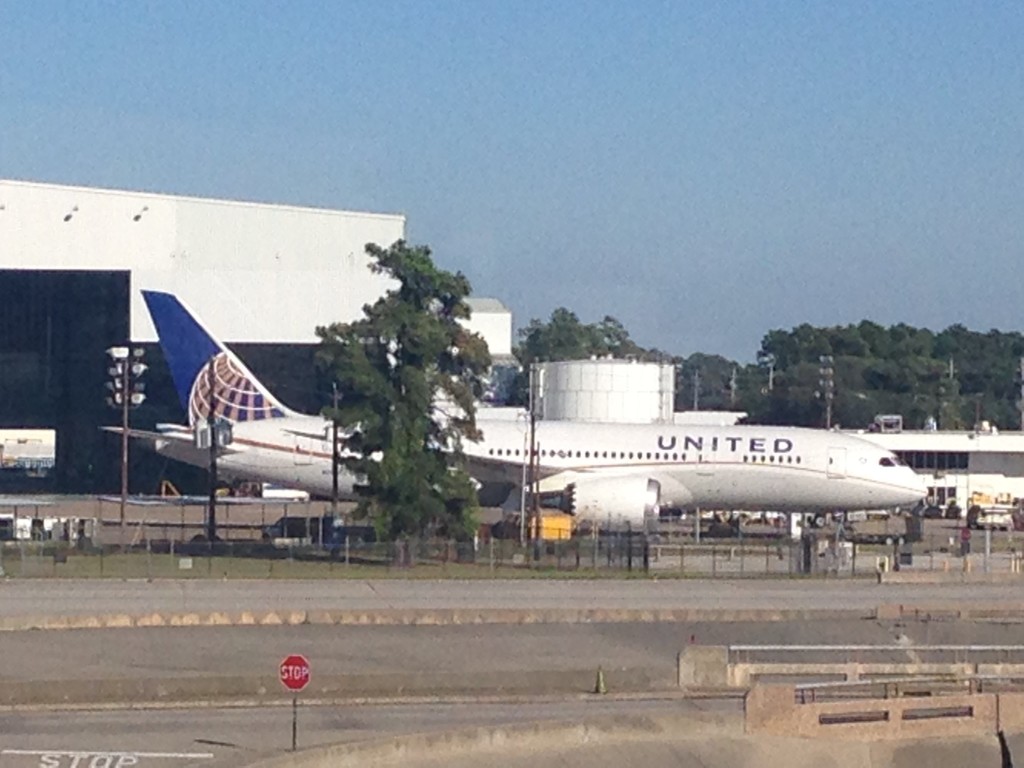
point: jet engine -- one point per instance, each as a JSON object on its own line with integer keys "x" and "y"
{"x": 623, "y": 499}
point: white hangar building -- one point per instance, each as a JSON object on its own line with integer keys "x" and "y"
{"x": 254, "y": 272}
{"x": 262, "y": 277}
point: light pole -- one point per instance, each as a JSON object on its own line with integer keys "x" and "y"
{"x": 126, "y": 392}
{"x": 211, "y": 427}
{"x": 767, "y": 359}
{"x": 211, "y": 435}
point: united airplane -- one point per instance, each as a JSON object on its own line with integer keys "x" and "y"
{"x": 620, "y": 472}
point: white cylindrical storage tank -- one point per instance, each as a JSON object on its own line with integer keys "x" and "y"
{"x": 607, "y": 391}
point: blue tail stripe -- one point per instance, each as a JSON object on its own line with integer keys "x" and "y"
{"x": 186, "y": 346}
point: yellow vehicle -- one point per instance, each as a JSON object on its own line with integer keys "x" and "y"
{"x": 554, "y": 526}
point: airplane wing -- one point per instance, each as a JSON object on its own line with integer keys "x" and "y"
{"x": 177, "y": 444}
{"x": 490, "y": 469}
{"x": 310, "y": 435}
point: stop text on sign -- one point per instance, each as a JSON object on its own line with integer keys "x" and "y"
{"x": 294, "y": 672}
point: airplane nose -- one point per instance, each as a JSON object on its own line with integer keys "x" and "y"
{"x": 917, "y": 486}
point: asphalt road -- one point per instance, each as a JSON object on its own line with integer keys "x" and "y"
{"x": 175, "y": 738}
{"x": 458, "y": 651}
{"x": 635, "y": 656}
{"x": 89, "y": 597}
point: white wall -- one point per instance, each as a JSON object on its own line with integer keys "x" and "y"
{"x": 496, "y": 328}
{"x": 253, "y": 272}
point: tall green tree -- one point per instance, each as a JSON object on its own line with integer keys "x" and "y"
{"x": 409, "y": 373}
{"x": 565, "y": 337}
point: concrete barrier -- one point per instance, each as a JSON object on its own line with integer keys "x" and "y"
{"x": 703, "y": 666}
{"x": 925, "y": 612}
{"x": 773, "y": 709}
{"x": 441, "y": 617}
{"x": 469, "y": 616}
{"x": 699, "y": 666}
{"x": 948, "y": 577}
{"x": 744, "y": 674}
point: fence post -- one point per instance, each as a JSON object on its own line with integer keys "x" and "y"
{"x": 714, "y": 561}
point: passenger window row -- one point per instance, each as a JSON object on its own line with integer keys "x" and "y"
{"x": 637, "y": 455}
{"x": 771, "y": 459}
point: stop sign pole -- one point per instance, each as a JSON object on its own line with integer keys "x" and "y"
{"x": 294, "y": 675}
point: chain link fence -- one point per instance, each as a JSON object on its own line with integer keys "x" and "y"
{"x": 84, "y": 538}
{"x": 617, "y": 555}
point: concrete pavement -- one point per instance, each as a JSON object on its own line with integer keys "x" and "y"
{"x": 97, "y": 597}
{"x": 204, "y": 664}
{"x": 239, "y": 736}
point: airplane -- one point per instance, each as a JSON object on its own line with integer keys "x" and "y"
{"x": 595, "y": 471}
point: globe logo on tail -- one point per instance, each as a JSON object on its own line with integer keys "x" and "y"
{"x": 235, "y": 395}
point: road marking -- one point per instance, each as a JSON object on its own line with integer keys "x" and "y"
{"x": 97, "y": 752}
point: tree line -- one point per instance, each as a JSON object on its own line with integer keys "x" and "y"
{"x": 951, "y": 379}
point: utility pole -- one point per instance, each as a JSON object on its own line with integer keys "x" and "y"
{"x": 828, "y": 386}
{"x": 211, "y": 426}
{"x": 334, "y": 451}
{"x": 534, "y": 506}
{"x": 732, "y": 388}
{"x": 1021, "y": 404}
{"x": 696, "y": 390}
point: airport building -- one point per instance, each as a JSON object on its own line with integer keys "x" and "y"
{"x": 73, "y": 261}
{"x": 982, "y": 466}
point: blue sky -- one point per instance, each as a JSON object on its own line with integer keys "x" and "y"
{"x": 703, "y": 171}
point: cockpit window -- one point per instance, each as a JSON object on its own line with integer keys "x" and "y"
{"x": 885, "y": 461}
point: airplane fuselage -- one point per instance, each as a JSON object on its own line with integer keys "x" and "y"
{"x": 738, "y": 467}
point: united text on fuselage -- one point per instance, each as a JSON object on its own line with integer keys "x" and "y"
{"x": 725, "y": 444}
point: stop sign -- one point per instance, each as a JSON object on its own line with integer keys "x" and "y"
{"x": 294, "y": 672}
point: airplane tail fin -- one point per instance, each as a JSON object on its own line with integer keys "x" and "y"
{"x": 189, "y": 349}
